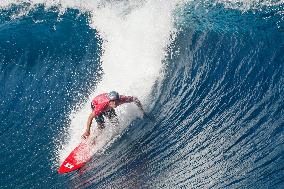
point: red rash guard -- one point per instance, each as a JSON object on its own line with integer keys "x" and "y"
{"x": 101, "y": 102}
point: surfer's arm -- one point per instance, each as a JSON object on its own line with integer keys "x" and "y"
{"x": 129, "y": 99}
{"x": 139, "y": 105}
{"x": 89, "y": 123}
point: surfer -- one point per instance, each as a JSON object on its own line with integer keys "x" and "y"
{"x": 103, "y": 106}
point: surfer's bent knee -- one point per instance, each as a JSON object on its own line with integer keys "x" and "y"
{"x": 101, "y": 126}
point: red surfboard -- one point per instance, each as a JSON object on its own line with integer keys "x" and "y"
{"x": 77, "y": 158}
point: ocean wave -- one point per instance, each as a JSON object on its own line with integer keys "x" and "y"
{"x": 210, "y": 73}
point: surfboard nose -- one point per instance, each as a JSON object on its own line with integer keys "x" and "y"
{"x": 69, "y": 167}
{"x": 77, "y": 158}
{"x": 66, "y": 167}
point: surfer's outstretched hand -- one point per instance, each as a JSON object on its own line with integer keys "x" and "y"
{"x": 86, "y": 135}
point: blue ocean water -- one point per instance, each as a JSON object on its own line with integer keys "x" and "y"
{"x": 219, "y": 107}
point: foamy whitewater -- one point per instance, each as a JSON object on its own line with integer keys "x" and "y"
{"x": 210, "y": 73}
{"x": 131, "y": 60}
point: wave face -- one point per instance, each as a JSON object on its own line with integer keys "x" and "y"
{"x": 216, "y": 92}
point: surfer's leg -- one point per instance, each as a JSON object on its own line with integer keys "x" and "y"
{"x": 100, "y": 122}
{"x": 111, "y": 115}
{"x": 100, "y": 126}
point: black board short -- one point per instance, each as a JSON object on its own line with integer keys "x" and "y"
{"x": 100, "y": 118}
